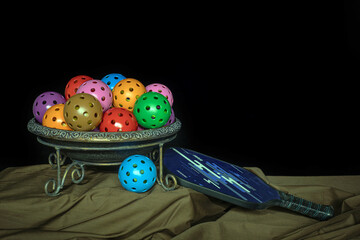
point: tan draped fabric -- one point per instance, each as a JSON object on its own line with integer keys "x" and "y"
{"x": 99, "y": 208}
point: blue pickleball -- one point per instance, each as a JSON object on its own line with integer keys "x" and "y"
{"x": 112, "y": 79}
{"x": 137, "y": 173}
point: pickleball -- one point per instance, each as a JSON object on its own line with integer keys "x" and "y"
{"x": 152, "y": 110}
{"x": 83, "y": 112}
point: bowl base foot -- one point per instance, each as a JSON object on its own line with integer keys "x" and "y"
{"x": 76, "y": 167}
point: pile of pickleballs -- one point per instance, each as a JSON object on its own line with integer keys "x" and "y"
{"x": 113, "y": 104}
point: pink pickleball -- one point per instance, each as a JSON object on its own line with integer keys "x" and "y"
{"x": 162, "y": 89}
{"x": 99, "y": 90}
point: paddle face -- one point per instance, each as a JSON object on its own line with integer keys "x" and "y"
{"x": 219, "y": 179}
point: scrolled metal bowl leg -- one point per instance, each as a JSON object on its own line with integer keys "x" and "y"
{"x": 53, "y": 159}
{"x": 56, "y": 184}
{"x": 77, "y": 174}
{"x": 167, "y": 185}
{"x": 79, "y": 171}
{"x": 55, "y": 188}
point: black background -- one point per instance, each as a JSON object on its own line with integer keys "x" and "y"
{"x": 267, "y": 86}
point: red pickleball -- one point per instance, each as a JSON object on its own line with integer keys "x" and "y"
{"x": 73, "y": 85}
{"x": 118, "y": 120}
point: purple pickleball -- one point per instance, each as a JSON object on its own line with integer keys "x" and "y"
{"x": 44, "y": 101}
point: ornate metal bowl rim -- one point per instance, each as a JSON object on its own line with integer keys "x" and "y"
{"x": 102, "y": 137}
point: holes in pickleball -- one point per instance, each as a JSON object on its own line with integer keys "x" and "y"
{"x": 134, "y": 165}
{"x": 91, "y": 104}
{"x": 89, "y": 122}
{"x": 122, "y": 92}
{"x": 131, "y": 89}
{"x": 150, "y": 168}
{"x": 147, "y": 108}
{"x": 127, "y": 173}
{"x": 158, "y": 107}
{"x": 113, "y": 122}
{"x": 127, "y": 123}
{"x": 125, "y": 181}
{"x": 128, "y": 99}
{"x": 54, "y": 119}
{"x": 86, "y": 114}
{"x": 153, "y": 116}
{"x": 75, "y": 118}
{"x": 145, "y": 181}
{"x": 77, "y": 107}
{"x": 43, "y": 102}
{"x": 142, "y": 161}
{"x": 142, "y": 171}
{"x": 134, "y": 180}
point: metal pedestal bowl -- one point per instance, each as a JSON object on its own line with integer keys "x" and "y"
{"x": 102, "y": 149}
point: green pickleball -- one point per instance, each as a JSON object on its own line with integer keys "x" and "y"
{"x": 152, "y": 110}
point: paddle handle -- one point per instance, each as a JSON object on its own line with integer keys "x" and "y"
{"x": 305, "y": 207}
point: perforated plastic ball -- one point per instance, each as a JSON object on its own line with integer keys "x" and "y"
{"x": 152, "y": 110}
{"x": 126, "y": 92}
{"x": 118, "y": 120}
{"x": 44, "y": 101}
{"x": 100, "y": 90}
{"x": 83, "y": 112}
{"x": 172, "y": 118}
{"x": 162, "y": 89}
{"x": 73, "y": 85}
{"x": 54, "y": 118}
{"x": 137, "y": 173}
{"x": 112, "y": 79}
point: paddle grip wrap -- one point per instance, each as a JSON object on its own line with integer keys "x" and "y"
{"x": 310, "y": 209}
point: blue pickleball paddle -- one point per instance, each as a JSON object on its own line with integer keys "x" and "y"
{"x": 234, "y": 184}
